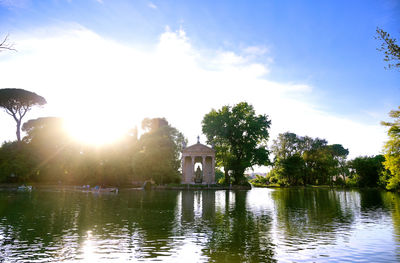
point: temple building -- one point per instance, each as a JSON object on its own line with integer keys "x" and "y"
{"x": 198, "y": 154}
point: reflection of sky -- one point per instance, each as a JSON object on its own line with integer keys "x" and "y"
{"x": 260, "y": 201}
{"x": 204, "y": 222}
{"x": 368, "y": 237}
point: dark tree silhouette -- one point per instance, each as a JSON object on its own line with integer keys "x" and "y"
{"x": 17, "y": 102}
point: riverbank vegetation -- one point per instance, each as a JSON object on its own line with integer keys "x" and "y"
{"x": 48, "y": 154}
{"x": 306, "y": 161}
{"x": 312, "y": 161}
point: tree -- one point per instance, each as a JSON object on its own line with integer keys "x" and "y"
{"x": 290, "y": 170}
{"x": 158, "y": 152}
{"x": 305, "y": 160}
{"x": 43, "y": 130}
{"x": 390, "y": 49}
{"x": 392, "y": 150}
{"x": 240, "y": 138}
{"x": 287, "y": 144}
{"x": 17, "y": 102}
{"x": 17, "y": 162}
{"x": 367, "y": 169}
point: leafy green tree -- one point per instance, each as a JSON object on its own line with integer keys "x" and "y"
{"x": 287, "y": 144}
{"x": 221, "y": 144}
{"x": 17, "y": 162}
{"x": 290, "y": 170}
{"x": 17, "y": 102}
{"x": 390, "y": 48}
{"x": 392, "y": 150}
{"x": 259, "y": 180}
{"x": 219, "y": 175}
{"x": 367, "y": 169}
{"x": 305, "y": 160}
{"x": 52, "y": 147}
{"x": 319, "y": 165}
{"x": 325, "y": 162}
{"x": 45, "y": 130}
{"x": 339, "y": 153}
{"x": 158, "y": 152}
{"x": 240, "y": 138}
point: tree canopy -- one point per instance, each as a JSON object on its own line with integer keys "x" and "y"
{"x": 390, "y": 48}
{"x": 240, "y": 138}
{"x": 392, "y": 150}
{"x": 17, "y": 102}
{"x": 306, "y": 160}
{"x": 158, "y": 152}
{"x": 367, "y": 169}
{"x": 49, "y": 154}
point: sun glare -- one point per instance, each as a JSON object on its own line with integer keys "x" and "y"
{"x": 94, "y": 132}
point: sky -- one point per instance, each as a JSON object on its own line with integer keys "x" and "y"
{"x": 104, "y": 65}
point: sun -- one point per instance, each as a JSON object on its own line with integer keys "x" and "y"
{"x": 99, "y": 117}
{"x": 95, "y": 130}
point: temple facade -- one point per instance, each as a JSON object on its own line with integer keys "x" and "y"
{"x": 198, "y": 154}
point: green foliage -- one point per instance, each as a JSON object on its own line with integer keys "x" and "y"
{"x": 390, "y": 48}
{"x": 158, "y": 153}
{"x": 218, "y": 175}
{"x": 17, "y": 102}
{"x": 48, "y": 154}
{"x": 393, "y": 183}
{"x": 304, "y": 160}
{"x": 367, "y": 170}
{"x": 259, "y": 180}
{"x": 352, "y": 181}
{"x": 239, "y": 137}
{"x": 16, "y": 162}
{"x": 292, "y": 168}
{"x": 392, "y": 150}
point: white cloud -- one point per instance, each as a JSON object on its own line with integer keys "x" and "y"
{"x": 256, "y": 50}
{"x": 151, "y": 5}
{"x": 15, "y": 3}
{"x": 87, "y": 77}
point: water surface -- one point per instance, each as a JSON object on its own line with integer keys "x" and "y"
{"x": 260, "y": 225}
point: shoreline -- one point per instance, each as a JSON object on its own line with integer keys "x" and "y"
{"x": 323, "y": 187}
{"x": 192, "y": 187}
{"x": 14, "y": 186}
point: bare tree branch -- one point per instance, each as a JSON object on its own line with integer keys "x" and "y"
{"x": 5, "y": 45}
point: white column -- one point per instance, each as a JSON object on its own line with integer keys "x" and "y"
{"x": 183, "y": 170}
{"x": 212, "y": 179}
{"x": 204, "y": 169}
{"x": 191, "y": 171}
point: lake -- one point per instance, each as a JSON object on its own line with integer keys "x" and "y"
{"x": 259, "y": 225}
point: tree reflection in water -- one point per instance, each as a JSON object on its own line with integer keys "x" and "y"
{"x": 305, "y": 216}
{"x": 260, "y": 225}
{"x": 234, "y": 234}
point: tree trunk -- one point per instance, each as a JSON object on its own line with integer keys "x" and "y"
{"x": 18, "y": 130}
{"x": 239, "y": 177}
{"x": 227, "y": 179}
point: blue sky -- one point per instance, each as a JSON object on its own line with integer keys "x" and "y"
{"x": 326, "y": 46}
